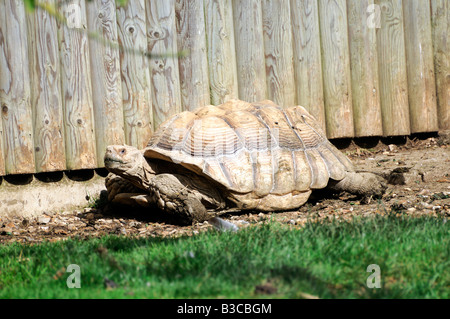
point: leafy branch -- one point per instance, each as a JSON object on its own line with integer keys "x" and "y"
{"x": 52, "y": 10}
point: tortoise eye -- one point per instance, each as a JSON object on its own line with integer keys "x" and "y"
{"x": 122, "y": 151}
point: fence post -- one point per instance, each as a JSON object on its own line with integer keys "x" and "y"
{"x": 76, "y": 87}
{"x": 136, "y": 89}
{"x": 420, "y": 69}
{"x": 364, "y": 68}
{"x": 336, "y": 68}
{"x": 191, "y": 37}
{"x": 221, "y": 50}
{"x": 441, "y": 44}
{"x": 248, "y": 34}
{"x": 15, "y": 100}
{"x": 46, "y": 100}
{"x": 164, "y": 73}
{"x": 392, "y": 69}
{"x": 105, "y": 73}
{"x": 278, "y": 52}
{"x": 307, "y": 58}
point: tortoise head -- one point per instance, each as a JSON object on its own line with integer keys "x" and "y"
{"x": 130, "y": 163}
{"x": 122, "y": 158}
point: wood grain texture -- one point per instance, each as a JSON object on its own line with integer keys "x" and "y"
{"x": 307, "y": 57}
{"x": 221, "y": 51}
{"x": 278, "y": 52}
{"x": 441, "y": 44}
{"x": 2, "y": 160}
{"x": 76, "y": 88}
{"x": 191, "y": 37}
{"x": 392, "y": 69}
{"x": 46, "y": 100}
{"x": 164, "y": 72}
{"x": 105, "y": 73}
{"x": 248, "y": 33}
{"x": 15, "y": 100}
{"x": 336, "y": 68}
{"x": 364, "y": 70}
{"x": 136, "y": 89}
{"x": 420, "y": 68}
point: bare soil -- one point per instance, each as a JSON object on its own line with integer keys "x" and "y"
{"x": 416, "y": 168}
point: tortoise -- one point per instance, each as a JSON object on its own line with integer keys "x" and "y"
{"x": 233, "y": 157}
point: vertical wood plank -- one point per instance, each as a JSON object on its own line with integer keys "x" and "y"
{"x": 105, "y": 73}
{"x": 307, "y": 57}
{"x": 420, "y": 68}
{"x": 248, "y": 33}
{"x": 15, "y": 98}
{"x": 46, "y": 100}
{"x": 136, "y": 90}
{"x": 191, "y": 37}
{"x": 76, "y": 87}
{"x": 164, "y": 72}
{"x": 392, "y": 69}
{"x": 441, "y": 44}
{"x": 221, "y": 51}
{"x": 364, "y": 70}
{"x": 278, "y": 52}
{"x": 336, "y": 68}
{"x": 2, "y": 159}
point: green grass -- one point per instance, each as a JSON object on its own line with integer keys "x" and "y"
{"x": 328, "y": 260}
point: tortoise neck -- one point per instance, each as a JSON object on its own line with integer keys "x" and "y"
{"x": 141, "y": 175}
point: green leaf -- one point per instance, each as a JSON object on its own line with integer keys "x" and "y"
{"x": 121, "y": 3}
{"x": 30, "y": 5}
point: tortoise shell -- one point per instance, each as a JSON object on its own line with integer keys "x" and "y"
{"x": 258, "y": 148}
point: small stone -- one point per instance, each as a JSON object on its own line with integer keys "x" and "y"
{"x": 43, "y": 220}
{"x": 426, "y": 205}
{"x": 89, "y": 210}
{"x": 90, "y": 216}
{"x": 106, "y": 221}
{"x": 392, "y": 147}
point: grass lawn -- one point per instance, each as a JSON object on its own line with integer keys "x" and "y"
{"x": 327, "y": 260}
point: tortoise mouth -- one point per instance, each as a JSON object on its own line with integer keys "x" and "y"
{"x": 113, "y": 160}
{"x": 114, "y": 163}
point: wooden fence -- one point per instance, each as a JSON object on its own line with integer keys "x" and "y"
{"x": 361, "y": 67}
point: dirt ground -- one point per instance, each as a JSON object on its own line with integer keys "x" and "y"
{"x": 417, "y": 170}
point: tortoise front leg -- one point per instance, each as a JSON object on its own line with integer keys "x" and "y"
{"x": 173, "y": 195}
{"x": 117, "y": 185}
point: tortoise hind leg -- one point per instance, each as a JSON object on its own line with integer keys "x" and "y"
{"x": 364, "y": 184}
